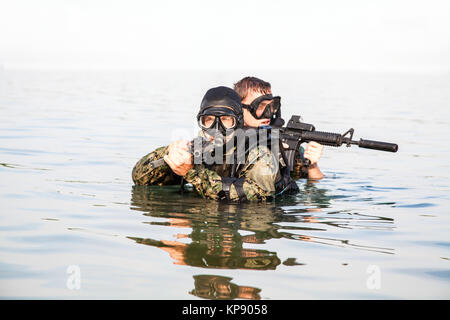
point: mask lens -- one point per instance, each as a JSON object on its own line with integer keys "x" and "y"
{"x": 228, "y": 122}
{"x": 207, "y": 121}
{"x": 262, "y": 107}
{"x": 267, "y": 108}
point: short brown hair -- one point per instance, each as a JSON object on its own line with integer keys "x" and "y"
{"x": 243, "y": 86}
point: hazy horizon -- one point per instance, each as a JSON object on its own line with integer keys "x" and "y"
{"x": 382, "y": 36}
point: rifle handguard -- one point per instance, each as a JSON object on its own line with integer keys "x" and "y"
{"x": 325, "y": 138}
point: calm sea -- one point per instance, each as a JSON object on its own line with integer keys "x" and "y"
{"x": 73, "y": 226}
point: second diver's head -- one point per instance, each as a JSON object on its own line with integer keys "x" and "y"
{"x": 260, "y": 107}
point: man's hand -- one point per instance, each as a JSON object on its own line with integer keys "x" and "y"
{"x": 313, "y": 152}
{"x": 179, "y": 159}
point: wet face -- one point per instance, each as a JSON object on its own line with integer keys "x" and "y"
{"x": 249, "y": 119}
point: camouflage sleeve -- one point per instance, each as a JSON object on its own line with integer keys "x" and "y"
{"x": 259, "y": 176}
{"x": 144, "y": 174}
{"x": 206, "y": 182}
{"x": 300, "y": 170}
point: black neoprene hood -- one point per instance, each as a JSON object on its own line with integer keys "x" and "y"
{"x": 221, "y": 96}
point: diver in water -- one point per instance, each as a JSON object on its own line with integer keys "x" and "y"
{"x": 255, "y": 179}
{"x": 263, "y": 109}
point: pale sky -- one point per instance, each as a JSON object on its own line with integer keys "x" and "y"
{"x": 384, "y": 35}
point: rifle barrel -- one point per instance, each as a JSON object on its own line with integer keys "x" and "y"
{"x": 377, "y": 145}
{"x": 336, "y": 140}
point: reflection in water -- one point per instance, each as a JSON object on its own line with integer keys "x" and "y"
{"x": 210, "y": 253}
{"x": 219, "y": 231}
{"x": 292, "y": 262}
{"x": 215, "y": 238}
{"x": 219, "y": 287}
{"x": 312, "y": 194}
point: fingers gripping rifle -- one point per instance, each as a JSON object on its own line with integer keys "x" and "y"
{"x": 297, "y": 132}
{"x": 199, "y": 148}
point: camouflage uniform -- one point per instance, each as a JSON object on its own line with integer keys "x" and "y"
{"x": 259, "y": 173}
{"x": 144, "y": 174}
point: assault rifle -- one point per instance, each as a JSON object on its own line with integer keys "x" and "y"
{"x": 293, "y": 134}
{"x": 296, "y": 132}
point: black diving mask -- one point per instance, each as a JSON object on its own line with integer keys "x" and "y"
{"x": 218, "y": 119}
{"x": 264, "y": 107}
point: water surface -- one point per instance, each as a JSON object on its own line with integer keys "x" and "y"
{"x": 69, "y": 140}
